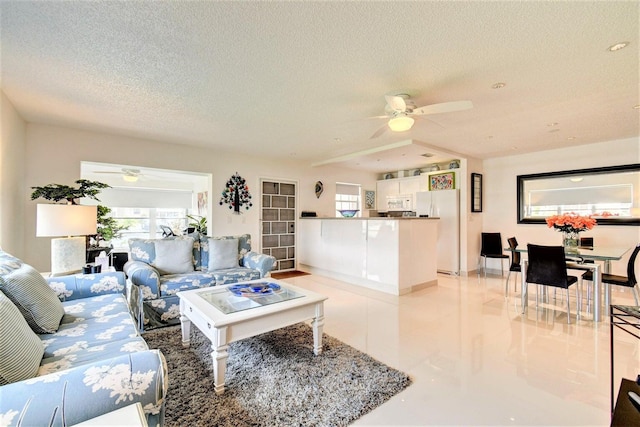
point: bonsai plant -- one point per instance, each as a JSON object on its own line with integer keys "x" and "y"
{"x": 57, "y": 192}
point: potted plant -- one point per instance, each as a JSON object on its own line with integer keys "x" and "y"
{"x": 198, "y": 223}
{"x": 108, "y": 227}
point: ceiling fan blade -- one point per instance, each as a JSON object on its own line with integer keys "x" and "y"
{"x": 379, "y": 132}
{"x": 396, "y": 103}
{"x": 444, "y": 107}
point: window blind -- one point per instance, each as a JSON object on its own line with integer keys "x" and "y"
{"x": 146, "y": 198}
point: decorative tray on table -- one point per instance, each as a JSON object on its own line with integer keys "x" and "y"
{"x": 254, "y": 289}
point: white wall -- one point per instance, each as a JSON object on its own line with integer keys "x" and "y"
{"x": 54, "y": 155}
{"x": 500, "y": 207}
{"x": 12, "y": 188}
{"x": 471, "y": 225}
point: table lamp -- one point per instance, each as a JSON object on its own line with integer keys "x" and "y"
{"x": 68, "y": 254}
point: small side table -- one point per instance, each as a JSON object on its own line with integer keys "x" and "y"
{"x": 128, "y": 416}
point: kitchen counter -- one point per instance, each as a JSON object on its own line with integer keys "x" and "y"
{"x": 391, "y": 255}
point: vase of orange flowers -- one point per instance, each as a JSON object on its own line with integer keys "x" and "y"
{"x": 570, "y": 240}
{"x": 571, "y": 225}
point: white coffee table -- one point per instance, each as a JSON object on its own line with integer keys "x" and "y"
{"x": 224, "y": 318}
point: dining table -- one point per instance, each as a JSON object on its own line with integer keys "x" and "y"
{"x": 575, "y": 261}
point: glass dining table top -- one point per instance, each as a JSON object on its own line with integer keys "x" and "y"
{"x": 602, "y": 253}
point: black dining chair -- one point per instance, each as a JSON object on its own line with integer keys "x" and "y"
{"x": 547, "y": 267}
{"x": 491, "y": 247}
{"x": 515, "y": 265}
{"x": 628, "y": 281}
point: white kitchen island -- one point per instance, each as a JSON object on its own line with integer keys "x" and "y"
{"x": 392, "y": 255}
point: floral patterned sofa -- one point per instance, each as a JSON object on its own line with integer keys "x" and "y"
{"x": 158, "y": 268}
{"x": 70, "y": 350}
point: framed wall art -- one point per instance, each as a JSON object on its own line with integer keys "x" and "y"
{"x": 369, "y": 199}
{"x": 442, "y": 181}
{"x": 476, "y": 192}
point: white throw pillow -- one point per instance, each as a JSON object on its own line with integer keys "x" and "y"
{"x": 174, "y": 256}
{"x": 223, "y": 253}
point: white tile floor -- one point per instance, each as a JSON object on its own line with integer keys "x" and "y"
{"x": 474, "y": 359}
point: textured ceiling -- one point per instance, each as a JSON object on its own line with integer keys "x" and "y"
{"x": 301, "y": 79}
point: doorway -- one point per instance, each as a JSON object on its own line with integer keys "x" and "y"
{"x": 278, "y": 222}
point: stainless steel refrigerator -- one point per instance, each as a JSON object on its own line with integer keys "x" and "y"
{"x": 444, "y": 204}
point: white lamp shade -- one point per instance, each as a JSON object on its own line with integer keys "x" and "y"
{"x": 66, "y": 220}
{"x": 401, "y": 123}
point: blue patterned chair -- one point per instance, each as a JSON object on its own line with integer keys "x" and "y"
{"x": 158, "y": 268}
{"x": 70, "y": 350}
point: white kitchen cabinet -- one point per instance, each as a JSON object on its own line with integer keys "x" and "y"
{"x": 394, "y": 256}
{"x": 309, "y": 248}
{"x": 411, "y": 185}
{"x": 408, "y": 186}
{"x": 385, "y": 188}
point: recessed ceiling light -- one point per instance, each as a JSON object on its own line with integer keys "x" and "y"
{"x": 498, "y": 85}
{"x": 552, "y": 124}
{"x": 571, "y": 138}
{"x": 337, "y": 140}
{"x": 427, "y": 155}
{"x": 617, "y": 46}
{"x": 577, "y": 179}
{"x": 637, "y": 107}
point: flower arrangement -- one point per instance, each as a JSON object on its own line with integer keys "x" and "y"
{"x": 571, "y": 222}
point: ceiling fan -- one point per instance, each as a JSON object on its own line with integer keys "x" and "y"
{"x": 401, "y": 110}
{"x": 128, "y": 174}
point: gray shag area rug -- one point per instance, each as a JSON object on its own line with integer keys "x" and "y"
{"x": 273, "y": 379}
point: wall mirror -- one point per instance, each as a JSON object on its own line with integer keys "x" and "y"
{"x": 610, "y": 194}
{"x": 476, "y": 192}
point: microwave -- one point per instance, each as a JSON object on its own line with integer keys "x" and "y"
{"x": 400, "y": 202}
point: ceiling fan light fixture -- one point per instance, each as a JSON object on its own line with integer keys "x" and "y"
{"x": 130, "y": 178}
{"x": 401, "y": 123}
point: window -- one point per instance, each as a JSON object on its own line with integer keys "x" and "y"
{"x": 347, "y": 197}
{"x": 145, "y": 222}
